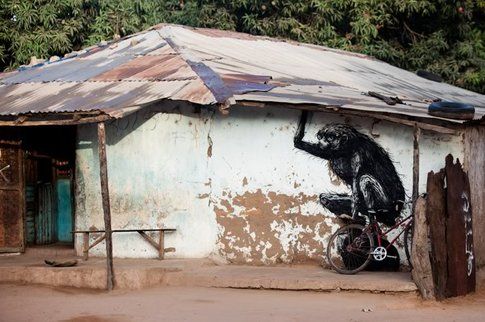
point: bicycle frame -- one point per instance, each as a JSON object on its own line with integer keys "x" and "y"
{"x": 374, "y": 227}
{"x": 355, "y": 241}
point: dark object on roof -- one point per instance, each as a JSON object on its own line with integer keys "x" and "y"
{"x": 65, "y": 263}
{"x": 429, "y": 75}
{"x": 389, "y": 100}
{"x": 452, "y": 110}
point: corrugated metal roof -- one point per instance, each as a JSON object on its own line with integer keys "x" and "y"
{"x": 206, "y": 66}
{"x": 109, "y": 97}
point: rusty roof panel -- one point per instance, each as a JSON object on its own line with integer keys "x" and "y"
{"x": 290, "y": 60}
{"x": 213, "y": 81}
{"x": 104, "y": 96}
{"x": 245, "y": 83}
{"x": 84, "y": 67}
{"x": 72, "y": 70}
{"x": 215, "y": 33}
{"x": 162, "y": 50}
{"x": 130, "y": 68}
{"x": 194, "y": 91}
{"x": 169, "y": 67}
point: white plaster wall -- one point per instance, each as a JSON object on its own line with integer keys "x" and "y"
{"x": 232, "y": 185}
{"x": 156, "y": 169}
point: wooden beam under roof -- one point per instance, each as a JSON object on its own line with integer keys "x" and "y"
{"x": 45, "y": 119}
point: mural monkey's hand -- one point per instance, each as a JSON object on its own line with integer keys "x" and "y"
{"x": 312, "y": 148}
{"x": 300, "y": 132}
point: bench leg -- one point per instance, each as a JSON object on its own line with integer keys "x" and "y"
{"x": 85, "y": 246}
{"x": 161, "y": 249}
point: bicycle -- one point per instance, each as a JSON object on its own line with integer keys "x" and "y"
{"x": 355, "y": 244}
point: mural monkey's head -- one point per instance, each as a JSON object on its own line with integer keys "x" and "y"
{"x": 337, "y": 137}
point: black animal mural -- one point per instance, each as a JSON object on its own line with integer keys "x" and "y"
{"x": 360, "y": 163}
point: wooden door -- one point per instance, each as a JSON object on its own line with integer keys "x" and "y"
{"x": 12, "y": 203}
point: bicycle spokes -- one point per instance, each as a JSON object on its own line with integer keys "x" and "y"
{"x": 349, "y": 249}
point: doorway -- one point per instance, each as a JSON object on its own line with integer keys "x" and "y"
{"x": 46, "y": 170}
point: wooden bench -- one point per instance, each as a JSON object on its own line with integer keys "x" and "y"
{"x": 159, "y": 246}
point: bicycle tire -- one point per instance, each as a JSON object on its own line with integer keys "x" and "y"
{"x": 361, "y": 256}
{"x": 408, "y": 243}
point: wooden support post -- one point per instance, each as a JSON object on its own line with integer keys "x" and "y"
{"x": 85, "y": 246}
{"x": 417, "y": 135}
{"x": 161, "y": 249}
{"x": 420, "y": 252}
{"x": 103, "y": 172}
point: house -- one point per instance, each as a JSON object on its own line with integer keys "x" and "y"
{"x": 200, "y": 136}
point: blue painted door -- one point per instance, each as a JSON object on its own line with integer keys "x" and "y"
{"x": 64, "y": 210}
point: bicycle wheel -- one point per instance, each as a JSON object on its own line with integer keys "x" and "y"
{"x": 408, "y": 243}
{"x": 349, "y": 249}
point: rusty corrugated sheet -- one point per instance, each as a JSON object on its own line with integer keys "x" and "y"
{"x": 154, "y": 68}
{"x": 206, "y": 66}
{"x": 88, "y": 64}
{"x": 215, "y": 33}
{"x": 350, "y": 75}
{"x": 245, "y": 83}
{"x": 109, "y": 97}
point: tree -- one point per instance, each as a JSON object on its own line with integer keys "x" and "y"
{"x": 40, "y": 28}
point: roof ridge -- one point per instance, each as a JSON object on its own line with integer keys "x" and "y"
{"x": 211, "y": 79}
{"x": 248, "y": 36}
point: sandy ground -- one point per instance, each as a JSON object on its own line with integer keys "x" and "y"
{"x": 32, "y": 303}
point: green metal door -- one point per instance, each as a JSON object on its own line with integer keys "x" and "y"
{"x": 64, "y": 210}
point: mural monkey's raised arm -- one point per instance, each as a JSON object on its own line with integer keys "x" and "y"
{"x": 311, "y": 148}
{"x": 361, "y": 164}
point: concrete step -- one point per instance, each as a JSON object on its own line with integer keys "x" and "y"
{"x": 302, "y": 278}
{"x": 50, "y": 251}
{"x": 90, "y": 274}
{"x": 144, "y": 273}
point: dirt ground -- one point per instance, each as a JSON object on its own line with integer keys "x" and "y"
{"x": 33, "y": 303}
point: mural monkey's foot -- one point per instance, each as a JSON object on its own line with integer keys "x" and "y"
{"x": 340, "y": 205}
{"x": 337, "y": 203}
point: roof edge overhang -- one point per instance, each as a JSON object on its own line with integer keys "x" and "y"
{"x": 440, "y": 125}
{"x": 54, "y": 118}
{"x": 434, "y": 124}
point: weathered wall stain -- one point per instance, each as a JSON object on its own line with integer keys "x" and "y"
{"x": 269, "y": 228}
{"x": 209, "y": 147}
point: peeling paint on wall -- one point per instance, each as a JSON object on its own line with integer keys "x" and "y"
{"x": 268, "y": 228}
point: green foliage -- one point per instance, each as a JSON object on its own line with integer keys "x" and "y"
{"x": 39, "y": 28}
{"x": 445, "y": 37}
